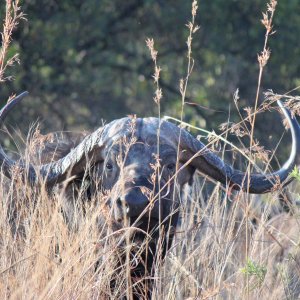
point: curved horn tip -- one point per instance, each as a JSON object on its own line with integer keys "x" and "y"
{"x": 10, "y": 104}
{"x": 20, "y": 96}
{"x": 285, "y": 111}
{"x": 279, "y": 103}
{"x": 23, "y": 94}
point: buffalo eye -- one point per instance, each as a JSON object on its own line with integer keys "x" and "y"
{"x": 109, "y": 167}
{"x": 171, "y": 167}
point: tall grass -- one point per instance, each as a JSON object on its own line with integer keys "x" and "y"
{"x": 42, "y": 258}
{"x": 228, "y": 245}
{"x": 13, "y": 14}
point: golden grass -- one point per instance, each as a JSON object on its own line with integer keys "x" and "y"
{"x": 42, "y": 258}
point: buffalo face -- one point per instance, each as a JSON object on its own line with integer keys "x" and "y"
{"x": 142, "y": 184}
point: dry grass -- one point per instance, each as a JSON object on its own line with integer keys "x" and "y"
{"x": 42, "y": 258}
{"x": 13, "y": 15}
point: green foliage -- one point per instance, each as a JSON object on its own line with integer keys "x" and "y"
{"x": 295, "y": 173}
{"x": 255, "y": 270}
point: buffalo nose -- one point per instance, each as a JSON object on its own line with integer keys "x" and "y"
{"x": 134, "y": 203}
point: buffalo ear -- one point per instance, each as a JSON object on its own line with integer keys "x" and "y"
{"x": 83, "y": 183}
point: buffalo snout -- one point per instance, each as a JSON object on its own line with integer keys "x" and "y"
{"x": 134, "y": 202}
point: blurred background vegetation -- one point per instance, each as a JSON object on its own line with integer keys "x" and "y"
{"x": 84, "y": 61}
